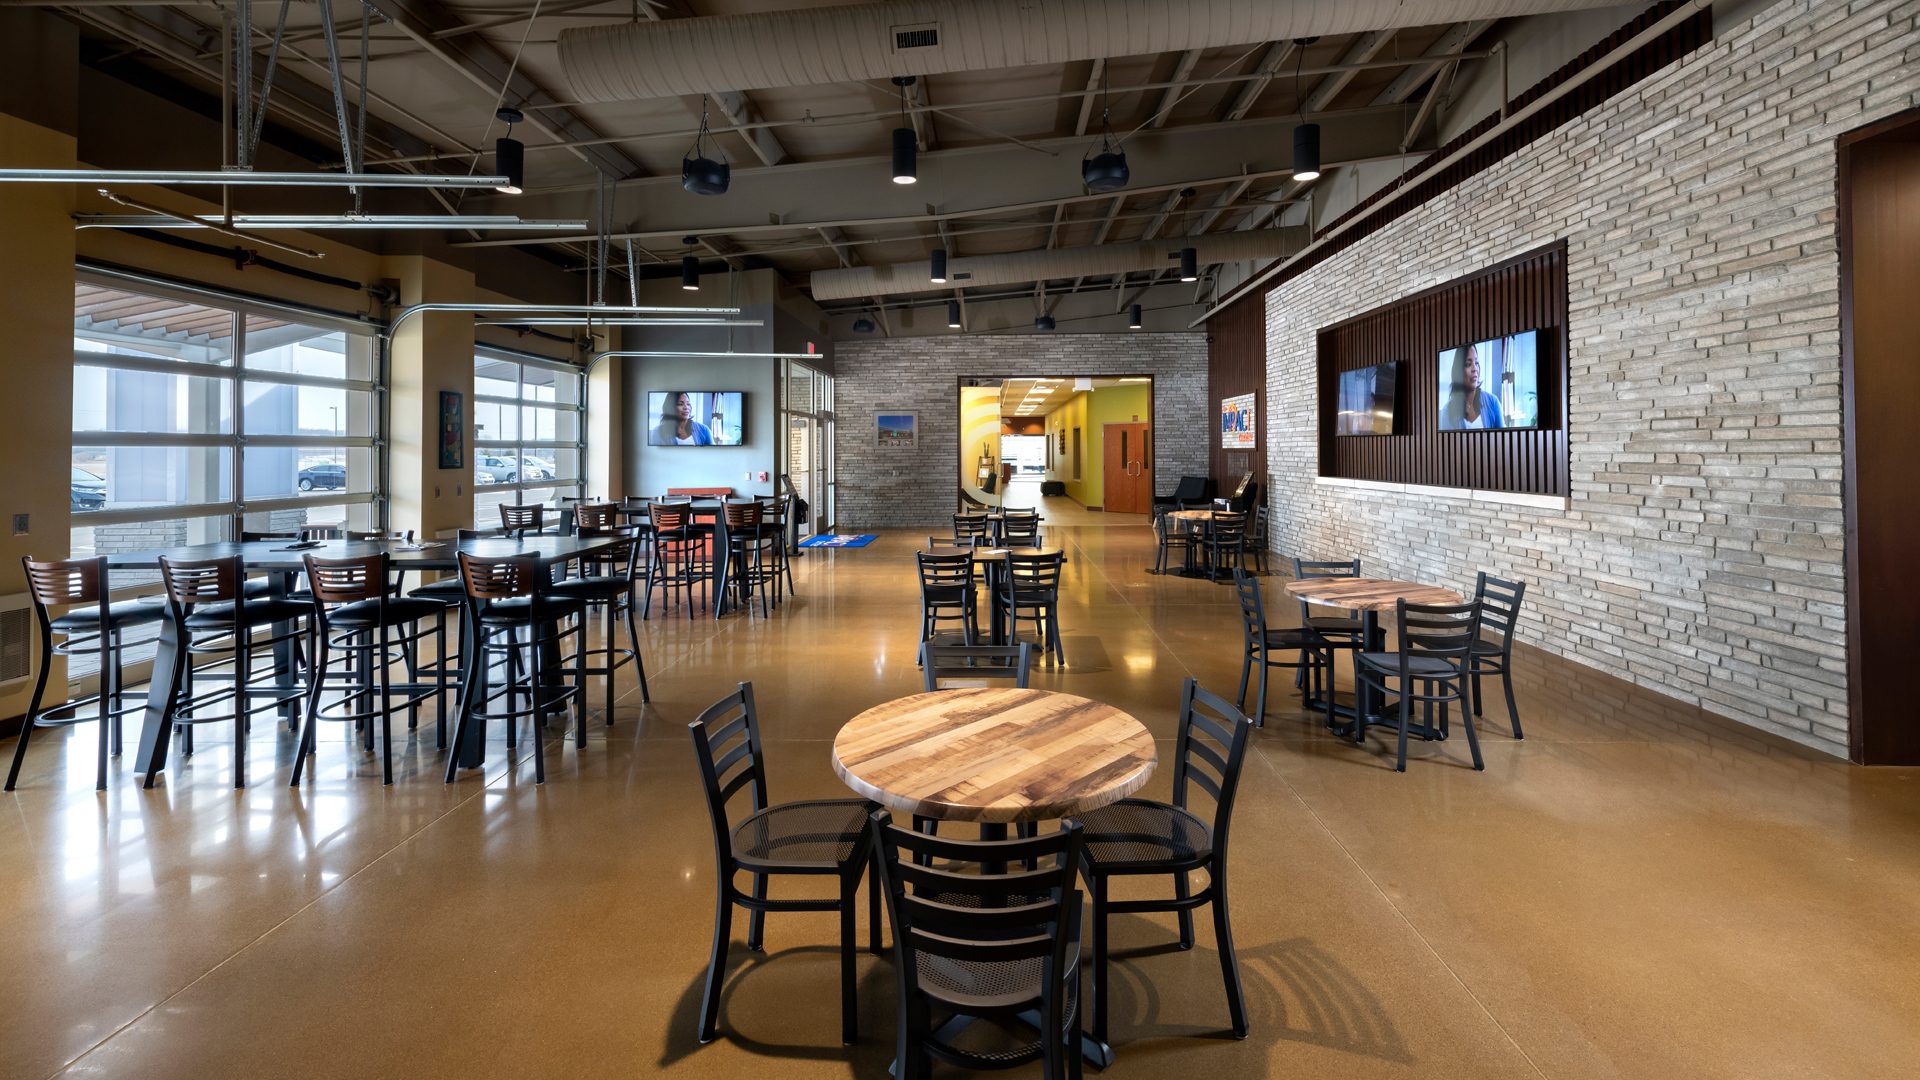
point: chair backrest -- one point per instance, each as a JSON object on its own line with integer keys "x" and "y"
{"x": 1034, "y": 571}
{"x": 975, "y": 902}
{"x": 344, "y": 581}
{"x": 1019, "y": 529}
{"x": 939, "y": 569}
{"x": 956, "y": 541}
{"x": 668, "y": 517}
{"x": 396, "y": 536}
{"x": 1499, "y": 605}
{"x": 1261, "y": 522}
{"x": 1442, "y": 631}
{"x": 1208, "y": 752}
{"x": 974, "y": 662}
{"x": 596, "y": 515}
{"x": 969, "y": 524}
{"x": 523, "y": 517}
{"x": 726, "y": 743}
{"x": 499, "y": 577}
{"x": 66, "y": 582}
{"x": 1229, "y": 528}
{"x": 619, "y": 559}
{"x": 743, "y": 515}
{"x": 1304, "y": 570}
{"x": 1253, "y": 606}
{"x": 202, "y": 581}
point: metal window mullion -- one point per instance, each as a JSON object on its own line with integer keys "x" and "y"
{"x": 322, "y": 382}
{"x": 318, "y": 442}
{"x": 167, "y": 512}
{"x": 165, "y": 439}
{"x": 297, "y": 502}
{"x": 157, "y": 365}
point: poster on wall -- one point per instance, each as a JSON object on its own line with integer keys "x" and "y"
{"x": 1236, "y": 423}
{"x": 453, "y": 430}
{"x": 896, "y": 430}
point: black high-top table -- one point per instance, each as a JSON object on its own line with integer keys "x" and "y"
{"x": 284, "y": 560}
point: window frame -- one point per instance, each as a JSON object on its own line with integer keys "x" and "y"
{"x": 515, "y": 449}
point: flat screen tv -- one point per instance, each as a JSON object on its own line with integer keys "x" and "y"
{"x": 1369, "y": 400}
{"x": 696, "y": 418}
{"x": 1491, "y": 385}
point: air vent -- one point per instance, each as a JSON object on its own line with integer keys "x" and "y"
{"x": 923, "y": 36}
{"x": 16, "y": 648}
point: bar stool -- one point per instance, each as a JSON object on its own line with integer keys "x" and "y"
{"x": 606, "y": 585}
{"x": 213, "y": 614}
{"x": 520, "y": 519}
{"x": 505, "y": 597}
{"x": 670, "y": 568}
{"x": 596, "y": 516}
{"x": 773, "y": 529}
{"x": 745, "y": 569}
{"x": 355, "y": 610}
{"x": 93, "y": 626}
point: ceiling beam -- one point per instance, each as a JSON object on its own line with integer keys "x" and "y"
{"x": 1453, "y": 39}
{"x": 1276, "y": 57}
{"x": 1364, "y": 49}
{"x": 737, "y": 107}
{"x": 1170, "y": 97}
{"x": 1087, "y": 97}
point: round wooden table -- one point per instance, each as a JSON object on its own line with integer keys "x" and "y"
{"x": 1370, "y": 596}
{"x": 994, "y": 755}
{"x": 1202, "y": 520}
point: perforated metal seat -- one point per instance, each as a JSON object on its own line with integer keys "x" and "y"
{"x": 994, "y": 984}
{"x": 822, "y": 833}
{"x": 1137, "y": 831}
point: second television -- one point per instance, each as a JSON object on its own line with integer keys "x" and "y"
{"x": 1369, "y": 400}
{"x": 696, "y": 418}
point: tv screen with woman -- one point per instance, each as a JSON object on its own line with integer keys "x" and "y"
{"x": 695, "y": 418}
{"x": 1491, "y": 385}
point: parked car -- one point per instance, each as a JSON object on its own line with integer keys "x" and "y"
{"x": 88, "y": 481}
{"x": 323, "y": 476}
{"x": 87, "y": 499}
{"x": 488, "y": 469}
{"x": 535, "y": 469}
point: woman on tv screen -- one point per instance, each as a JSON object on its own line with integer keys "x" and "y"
{"x": 1468, "y": 407}
{"x": 677, "y": 425}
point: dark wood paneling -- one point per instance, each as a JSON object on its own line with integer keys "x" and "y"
{"x": 1879, "y": 189}
{"x": 1528, "y": 292}
{"x": 1237, "y": 364}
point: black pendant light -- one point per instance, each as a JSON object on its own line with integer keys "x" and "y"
{"x": 1306, "y": 137}
{"x": 509, "y": 154}
{"x": 863, "y": 325}
{"x": 953, "y": 314}
{"x": 1189, "y": 264}
{"x": 700, "y": 174}
{"x": 906, "y": 144}
{"x": 689, "y": 273}
{"x": 1044, "y": 324}
{"x": 1133, "y": 318}
{"x": 939, "y": 273}
{"x": 1106, "y": 170}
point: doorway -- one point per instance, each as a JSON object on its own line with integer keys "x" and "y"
{"x": 1042, "y": 441}
{"x": 1023, "y": 466}
{"x": 1127, "y": 470}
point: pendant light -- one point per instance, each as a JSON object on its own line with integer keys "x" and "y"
{"x": 509, "y": 154}
{"x": 1306, "y": 137}
{"x": 1189, "y": 264}
{"x": 939, "y": 274}
{"x": 1044, "y": 324}
{"x": 1107, "y": 170}
{"x": 906, "y": 144}
{"x": 689, "y": 273}
{"x": 700, "y": 174}
{"x": 953, "y": 314}
{"x": 863, "y": 325}
{"x": 1133, "y": 318}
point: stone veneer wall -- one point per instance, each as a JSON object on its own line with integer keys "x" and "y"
{"x": 1701, "y": 551}
{"x": 899, "y": 488}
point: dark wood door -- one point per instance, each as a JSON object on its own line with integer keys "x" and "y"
{"x": 1127, "y": 469}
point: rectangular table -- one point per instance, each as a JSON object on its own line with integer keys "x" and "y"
{"x": 274, "y": 556}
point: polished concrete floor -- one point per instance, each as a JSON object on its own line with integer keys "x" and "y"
{"x": 1636, "y": 890}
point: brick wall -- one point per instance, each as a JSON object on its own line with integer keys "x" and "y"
{"x": 917, "y": 488}
{"x": 1701, "y": 551}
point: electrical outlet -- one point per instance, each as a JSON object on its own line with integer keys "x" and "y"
{"x": 19, "y": 524}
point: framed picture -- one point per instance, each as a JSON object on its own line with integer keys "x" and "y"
{"x": 1237, "y": 423}
{"x": 896, "y": 430}
{"x": 453, "y": 430}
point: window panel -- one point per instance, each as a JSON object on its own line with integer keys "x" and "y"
{"x": 109, "y": 320}
{"x": 528, "y": 452}
{"x": 543, "y": 425}
{"x": 116, "y": 399}
{"x": 137, "y": 477}
{"x": 314, "y": 411}
{"x": 284, "y": 472}
{"x": 292, "y": 348}
{"x": 494, "y": 422}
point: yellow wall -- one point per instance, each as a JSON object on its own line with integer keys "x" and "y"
{"x": 1090, "y": 411}
{"x": 979, "y": 433}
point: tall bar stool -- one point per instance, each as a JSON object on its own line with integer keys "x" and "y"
{"x": 606, "y": 585}
{"x": 207, "y": 600}
{"x": 670, "y": 567}
{"x": 773, "y": 536}
{"x": 91, "y": 626}
{"x": 508, "y": 597}
{"x": 599, "y": 515}
{"x": 519, "y": 519}
{"x": 355, "y": 610}
{"x": 745, "y": 568}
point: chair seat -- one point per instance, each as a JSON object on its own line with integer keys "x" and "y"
{"x": 217, "y": 616}
{"x": 601, "y": 589}
{"x": 995, "y": 984}
{"x": 1389, "y": 663}
{"x": 125, "y": 613}
{"x": 518, "y": 610}
{"x": 945, "y": 594}
{"x": 1140, "y": 834}
{"x": 1488, "y": 648}
{"x": 1334, "y": 624}
{"x": 449, "y": 590}
{"x": 1032, "y": 597}
{"x": 1295, "y": 637}
{"x": 819, "y": 834}
{"x": 365, "y": 614}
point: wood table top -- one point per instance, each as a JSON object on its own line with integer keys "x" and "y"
{"x": 994, "y": 754}
{"x": 430, "y": 555}
{"x": 992, "y": 554}
{"x": 1369, "y": 594}
{"x": 1197, "y": 515}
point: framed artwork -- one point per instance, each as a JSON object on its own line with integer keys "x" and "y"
{"x": 453, "y": 429}
{"x": 1237, "y": 423}
{"x": 896, "y": 430}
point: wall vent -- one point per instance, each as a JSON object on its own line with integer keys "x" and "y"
{"x": 16, "y": 639}
{"x": 922, "y": 36}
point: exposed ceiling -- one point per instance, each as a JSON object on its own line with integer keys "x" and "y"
{"x": 1038, "y": 397}
{"x": 1207, "y": 131}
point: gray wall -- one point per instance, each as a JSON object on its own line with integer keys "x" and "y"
{"x": 918, "y": 487}
{"x": 651, "y": 470}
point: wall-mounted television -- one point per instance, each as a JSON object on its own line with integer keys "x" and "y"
{"x": 1491, "y": 385}
{"x": 1369, "y": 400}
{"x": 696, "y": 418}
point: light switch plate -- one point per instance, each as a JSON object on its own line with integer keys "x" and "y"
{"x": 19, "y": 524}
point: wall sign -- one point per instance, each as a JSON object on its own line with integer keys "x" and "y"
{"x": 453, "y": 430}
{"x": 1237, "y": 430}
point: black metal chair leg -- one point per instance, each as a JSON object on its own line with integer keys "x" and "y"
{"x": 1223, "y": 941}
{"x": 716, "y": 962}
{"x": 1183, "y": 889}
{"x": 1098, "y": 888}
{"x": 849, "y": 999}
{"x": 757, "y": 920}
{"x": 242, "y": 677}
{"x": 639, "y": 664}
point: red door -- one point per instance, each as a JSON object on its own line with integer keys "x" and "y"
{"x": 1127, "y": 469}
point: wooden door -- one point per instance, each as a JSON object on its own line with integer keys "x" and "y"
{"x": 1127, "y": 469}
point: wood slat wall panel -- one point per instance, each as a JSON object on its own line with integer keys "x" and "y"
{"x": 1528, "y": 292}
{"x": 1237, "y": 364}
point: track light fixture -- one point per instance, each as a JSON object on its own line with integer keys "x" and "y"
{"x": 1189, "y": 264}
{"x": 700, "y": 174}
{"x": 1133, "y": 318}
{"x": 939, "y": 273}
{"x": 953, "y": 314}
{"x": 1044, "y": 324}
{"x": 906, "y": 144}
{"x": 1106, "y": 170}
{"x": 689, "y": 266}
{"x": 1306, "y": 137}
{"x": 509, "y": 153}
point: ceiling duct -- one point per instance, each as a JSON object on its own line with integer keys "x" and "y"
{"x": 1020, "y": 267}
{"x": 632, "y": 61}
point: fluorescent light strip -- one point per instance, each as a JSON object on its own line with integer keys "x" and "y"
{"x": 501, "y": 222}
{"x": 245, "y": 178}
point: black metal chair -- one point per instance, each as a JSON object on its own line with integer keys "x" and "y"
{"x": 509, "y": 604}
{"x": 606, "y": 585}
{"x": 975, "y": 662}
{"x": 1020, "y": 528}
{"x": 973, "y": 525}
{"x": 1341, "y": 631}
{"x": 819, "y": 837}
{"x": 973, "y": 939}
{"x": 91, "y": 625}
{"x": 1141, "y": 837}
{"x": 355, "y": 610}
{"x": 1259, "y": 536}
{"x": 1031, "y": 583}
{"x": 946, "y": 593}
{"x": 746, "y": 555}
{"x": 776, "y": 558}
{"x": 1430, "y": 667}
{"x": 1261, "y": 642}
{"x": 1226, "y": 542}
{"x": 1499, "y": 612}
{"x": 670, "y": 568}
{"x": 1172, "y": 535}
